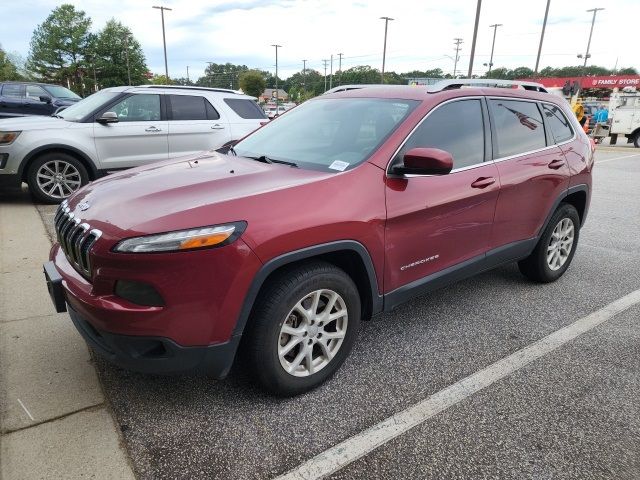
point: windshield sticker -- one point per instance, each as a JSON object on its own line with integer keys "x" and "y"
{"x": 338, "y": 165}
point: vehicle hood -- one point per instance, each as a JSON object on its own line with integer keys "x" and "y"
{"x": 187, "y": 192}
{"x": 36, "y": 122}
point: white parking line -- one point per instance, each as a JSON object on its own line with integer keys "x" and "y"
{"x": 25, "y": 409}
{"x": 618, "y": 158}
{"x": 363, "y": 443}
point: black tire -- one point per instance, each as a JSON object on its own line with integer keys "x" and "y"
{"x": 263, "y": 335}
{"x": 77, "y": 177}
{"x": 535, "y": 266}
{"x": 636, "y": 140}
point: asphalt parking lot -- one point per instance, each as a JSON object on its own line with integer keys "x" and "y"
{"x": 573, "y": 413}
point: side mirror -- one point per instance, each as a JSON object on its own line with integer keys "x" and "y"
{"x": 108, "y": 117}
{"x": 45, "y": 98}
{"x": 425, "y": 161}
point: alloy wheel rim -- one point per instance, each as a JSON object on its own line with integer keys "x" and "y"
{"x": 58, "y": 178}
{"x": 312, "y": 333}
{"x": 560, "y": 244}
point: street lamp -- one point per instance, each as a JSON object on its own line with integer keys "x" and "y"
{"x": 586, "y": 55}
{"x": 457, "y": 42}
{"x": 126, "y": 51}
{"x": 384, "y": 50}
{"x": 164, "y": 42}
{"x": 495, "y": 27}
{"x": 277, "y": 93}
{"x": 475, "y": 34}
{"x": 544, "y": 26}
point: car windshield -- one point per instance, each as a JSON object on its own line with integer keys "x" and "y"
{"x": 328, "y": 134}
{"x": 60, "y": 92}
{"x": 84, "y": 107}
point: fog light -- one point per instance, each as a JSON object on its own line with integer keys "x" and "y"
{"x": 139, "y": 293}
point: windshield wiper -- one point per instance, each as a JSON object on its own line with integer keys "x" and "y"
{"x": 265, "y": 159}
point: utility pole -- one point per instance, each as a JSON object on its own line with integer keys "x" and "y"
{"x": 331, "y": 74}
{"x": 340, "y": 55}
{"x": 586, "y": 56}
{"x": 210, "y": 74}
{"x": 495, "y": 27}
{"x": 126, "y": 51}
{"x": 544, "y": 26}
{"x": 164, "y": 42}
{"x": 384, "y": 49}
{"x": 325, "y": 74}
{"x": 277, "y": 92}
{"x": 188, "y": 82}
{"x": 475, "y": 34}
{"x": 304, "y": 74}
{"x": 457, "y": 41}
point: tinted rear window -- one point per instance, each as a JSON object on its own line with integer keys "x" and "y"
{"x": 557, "y": 122}
{"x": 11, "y": 90}
{"x": 245, "y": 108}
{"x": 519, "y": 126}
{"x": 186, "y": 107}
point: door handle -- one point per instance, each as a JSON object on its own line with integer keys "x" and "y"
{"x": 152, "y": 129}
{"x": 556, "y": 164}
{"x": 483, "y": 182}
{"x": 217, "y": 126}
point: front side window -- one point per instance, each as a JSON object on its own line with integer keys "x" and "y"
{"x": 557, "y": 122}
{"x": 328, "y": 134}
{"x": 61, "y": 92}
{"x": 518, "y": 126}
{"x": 138, "y": 108}
{"x": 34, "y": 92}
{"x": 12, "y": 90}
{"x": 455, "y": 127}
{"x": 86, "y": 106}
{"x": 188, "y": 107}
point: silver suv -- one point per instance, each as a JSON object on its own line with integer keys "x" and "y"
{"x": 118, "y": 128}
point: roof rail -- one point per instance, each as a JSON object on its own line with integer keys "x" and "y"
{"x": 344, "y": 88}
{"x": 189, "y": 87}
{"x": 484, "y": 82}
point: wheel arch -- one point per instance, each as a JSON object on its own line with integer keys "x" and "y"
{"x": 44, "y": 149}
{"x": 349, "y": 255}
{"x": 577, "y": 196}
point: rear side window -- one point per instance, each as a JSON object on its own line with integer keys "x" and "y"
{"x": 518, "y": 125}
{"x": 186, "y": 107}
{"x": 557, "y": 122}
{"x": 457, "y": 128}
{"x": 12, "y": 90}
{"x": 245, "y": 108}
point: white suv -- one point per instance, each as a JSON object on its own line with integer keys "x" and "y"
{"x": 118, "y": 128}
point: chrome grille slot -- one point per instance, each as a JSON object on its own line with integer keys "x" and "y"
{"x": 75, "y": 238}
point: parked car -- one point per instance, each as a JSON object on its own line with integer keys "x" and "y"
{"x": 348, "y": 206}
{"x": 273, "y": 112}
{"x": 20, "y": 99}
{"x": 119, "y": 128}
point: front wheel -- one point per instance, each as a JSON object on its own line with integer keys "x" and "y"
{"x": 556, "y": 247}
{"x": 54, "y": 176}
{"x": 303, "y": 328}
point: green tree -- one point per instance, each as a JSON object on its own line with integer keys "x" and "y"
{"x": 160, "y": 80}
{"x": 107, "y": 53}
{"x": 361, "y": 74}
{"x": 309, "y": 83}
{"x": 58, "y": 46}
{"x": 627, "y": 71}
{"x": 252, "y": 83}
{"x": 222, "y": 75}
{"x": 8, "y": 70}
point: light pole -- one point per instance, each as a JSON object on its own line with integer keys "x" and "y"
{"x": 457, "y": 41}
{"x": 495, "y": 27}
{"x": 188, "y": 82}
{"x": 277, "y": 93}
{"x": 340, "y": 55}
{"x": 475, "y": 34}
{"x": 384, "y": 49}
{"x": 304, "y": 75}
{"x": 544, "y": 26}
{"x": 126, "y": 52}
{"x": 164, "y": 42}
{"x": 593, "y": 21}
{"x": 331, "y": 74}
{"x": 325, "y": 74}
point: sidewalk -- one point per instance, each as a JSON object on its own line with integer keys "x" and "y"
{"x": 53, "y": 417}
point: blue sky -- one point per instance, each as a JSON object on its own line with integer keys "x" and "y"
{"x": 420, "y": 37}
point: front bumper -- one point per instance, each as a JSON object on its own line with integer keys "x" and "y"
{"x": 157, "y": 354}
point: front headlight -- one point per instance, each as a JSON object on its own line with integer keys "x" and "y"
{"x": 7, "y": 138}
{"x": 192, "y": 239}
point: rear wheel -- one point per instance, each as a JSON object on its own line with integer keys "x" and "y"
{"x": 636, "y": 140}
{"x": 303, "y": 328}
{"x": 556, "y": 247}
{"x": 54, "y": 176}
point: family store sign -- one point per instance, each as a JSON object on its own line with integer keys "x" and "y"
{"x": 609, "y": 81}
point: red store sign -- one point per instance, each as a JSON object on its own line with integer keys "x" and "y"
{"x": 611, "y": 81}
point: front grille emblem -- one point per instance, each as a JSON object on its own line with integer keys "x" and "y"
{"x": 84, "y": 206}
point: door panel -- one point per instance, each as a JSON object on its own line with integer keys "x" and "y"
{"x": 435, "y": 222}
{"x": 139, "y": 137}
{"x": 12, "y": 99}
{"x": 32, "y": 103}
{"x": 194, "y": 125}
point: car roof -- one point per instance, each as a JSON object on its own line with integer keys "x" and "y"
{"x": 19, "y": 82}
{"x": 227, "y": 93}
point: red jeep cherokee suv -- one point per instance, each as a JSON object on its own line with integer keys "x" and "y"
{"x": 342, "y": 208}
